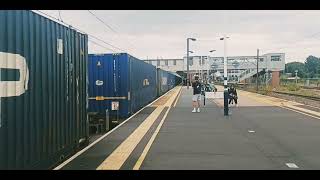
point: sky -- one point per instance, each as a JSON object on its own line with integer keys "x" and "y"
{"x": 152, "y": 34}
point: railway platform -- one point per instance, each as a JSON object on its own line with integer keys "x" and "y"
{"x": 263, "y": 132}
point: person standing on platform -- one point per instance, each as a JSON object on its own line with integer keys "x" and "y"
{"x": 233, "y": 96}
{"x": 196, "y": 94}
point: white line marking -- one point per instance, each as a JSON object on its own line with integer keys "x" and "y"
{"x": 292, "y": 165}
{"x": 102, "y": 137}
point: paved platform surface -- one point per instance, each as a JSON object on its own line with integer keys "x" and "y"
{"x": 255, "y": 136}
{"x": 261, "y": 133}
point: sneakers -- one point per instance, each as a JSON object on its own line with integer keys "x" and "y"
{"x": 194, "y": 110}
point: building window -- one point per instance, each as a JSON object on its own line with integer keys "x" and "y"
{"x": 158, "y": 62}
{"x": 166, "y": 62}
{"x": 275, "y": 58}
{"x": 174, "y": 62}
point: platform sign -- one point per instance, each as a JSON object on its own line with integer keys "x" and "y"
{"x": 214, "y": 95}
{"x": 115, "y": 105}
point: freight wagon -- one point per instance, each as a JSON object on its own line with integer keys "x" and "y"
{"x": 166, "y": 81}
{"x": 119, "y": 83}
{"x": 43, "y": 88}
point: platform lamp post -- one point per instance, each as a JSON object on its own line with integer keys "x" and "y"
{"x": 208, "y": 63}
{"x": 188, "y": 77}
{"x": 225, "y": 77}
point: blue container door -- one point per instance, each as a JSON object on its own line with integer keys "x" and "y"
{"x": 98, "y": 80}
{"x": 108, "y": 84}
{"x": 121, "y": 89}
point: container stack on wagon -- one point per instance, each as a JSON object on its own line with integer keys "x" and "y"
{"x": 43, "y": 86}
{"x": 120, "y": 78}
{"x": 125, "y": 79}
{"x": 166, "y": 80}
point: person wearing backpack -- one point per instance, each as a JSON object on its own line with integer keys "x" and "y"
{"x": 197, "y": 87}
{"x": 233, "y": 95}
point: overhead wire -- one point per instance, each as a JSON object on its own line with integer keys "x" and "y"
{"x": 90, "y": 35}
{"x": 109, "y": 27}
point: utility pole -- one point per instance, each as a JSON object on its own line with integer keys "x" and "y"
{"x": 257, "y": 78}
{"x": 188, "y": 76}
{"x": 225, "y": 77}
{"x": 188, "y": 64}
{"x": 208, "y": 64}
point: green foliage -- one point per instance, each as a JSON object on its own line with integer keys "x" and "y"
{"x": 293, "y": 66}
{"x": 309, "y": 69}
{"x": 312, "y": 64}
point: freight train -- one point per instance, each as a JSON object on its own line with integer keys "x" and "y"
{"x": 46, "y": 91}
{"x": 121, "y": 84}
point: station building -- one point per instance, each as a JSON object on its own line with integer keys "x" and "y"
{"x": 241, "y": 69}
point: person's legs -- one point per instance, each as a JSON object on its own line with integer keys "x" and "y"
{"x": 194, "y": 103}
{"x": 198, "y": 102}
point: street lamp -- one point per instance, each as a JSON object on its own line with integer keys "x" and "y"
{"x": 209, "y": 64}
{"x": 225, "y": 76}
{"x": 188, "y": 77}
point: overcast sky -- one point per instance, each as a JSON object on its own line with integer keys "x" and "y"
{"x": 162, "y": 34}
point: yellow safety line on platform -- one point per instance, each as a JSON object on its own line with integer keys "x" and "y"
{"x": 177, "y": 98}
{"x": 154, "y": 135}
{"x": 281, "y": 103}
{"x": 106, "y": 134}
{"x": 148, "y": 146}
{"x": 116, "y": 159}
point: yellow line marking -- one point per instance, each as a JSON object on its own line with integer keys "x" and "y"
{"x": 116, "y": 159}
{"x": 106, "y": 134}
{"x": 148, "y": 146}
{"x": 281, "y": 103}
{"x": 301, "y": 112}
{"x": 304, "y": 110}
{"x": 311, "y": 106}
{"x": 177, "y": 98}
{"x": 155, "y": 133}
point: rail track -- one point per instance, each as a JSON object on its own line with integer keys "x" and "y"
{"x": 298, "y": 95}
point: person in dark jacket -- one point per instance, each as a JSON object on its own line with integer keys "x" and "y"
{"x": 233, "y": 96}
{"x": 197, "y": 88}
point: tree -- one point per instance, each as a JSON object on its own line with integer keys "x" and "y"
{"x": 312, "y": 65}
{"x": 292, "y": 66}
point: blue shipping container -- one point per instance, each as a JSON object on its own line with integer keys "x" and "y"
{"x": 171, "y": 80}
{"x": 162, "y": 81}
{"x": 43, "y": 90}
{"x": 166, "y": 81}
{"x": 120, "y": 78}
